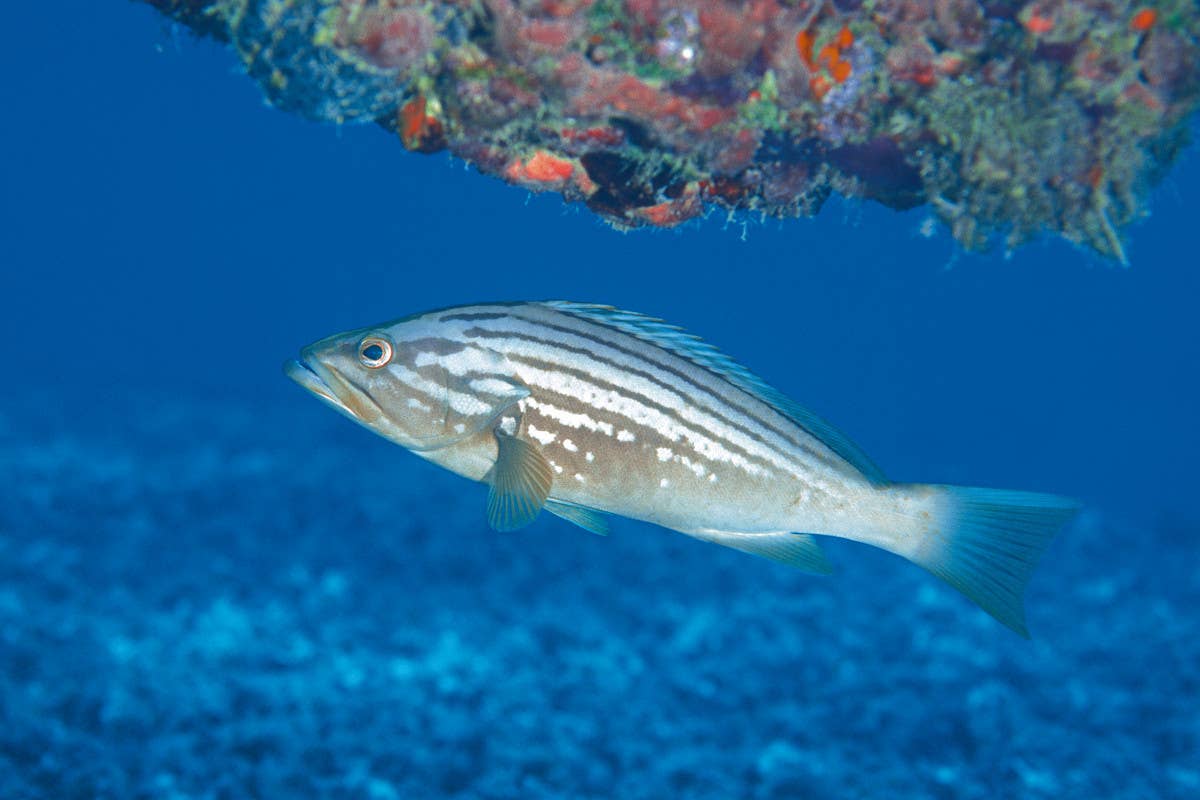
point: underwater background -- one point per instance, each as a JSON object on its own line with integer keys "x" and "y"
{"x": 213, "y": 587}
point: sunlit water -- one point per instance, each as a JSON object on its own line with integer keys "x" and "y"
{"x": 211, "y": 586}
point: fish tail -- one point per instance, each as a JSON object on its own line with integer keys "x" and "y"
{"x": 983, "y": 542}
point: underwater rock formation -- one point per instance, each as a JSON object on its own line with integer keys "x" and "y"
{"x": 1005, "y": 117}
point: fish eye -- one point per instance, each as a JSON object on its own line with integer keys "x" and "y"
{"x": 374, "y": 352}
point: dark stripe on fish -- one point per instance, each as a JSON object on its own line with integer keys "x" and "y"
{"x": 588, "y": 325}
{"x": 717, "y": 412}
{"x": 476, "y": 316}
{"x": 670, "y": 413}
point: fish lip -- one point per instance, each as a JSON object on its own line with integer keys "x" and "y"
{"x": 326, "y": 384}
{"x": 302, "y": 373}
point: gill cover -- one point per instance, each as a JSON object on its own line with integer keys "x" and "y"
{"x": 471, "y": 402}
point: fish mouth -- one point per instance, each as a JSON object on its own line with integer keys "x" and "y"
{"x": 332, "y": 388}
{"x": 306, "y": 376}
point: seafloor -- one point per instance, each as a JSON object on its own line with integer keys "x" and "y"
{"x": 223, "y": 601}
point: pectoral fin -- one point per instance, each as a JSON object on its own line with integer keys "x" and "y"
{"x": 798, "y": 550}
{"x": 521, "y": 480}
{"x": 589, "y": 519}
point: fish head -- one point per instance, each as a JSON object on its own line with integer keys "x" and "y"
{"x": 408, "y": 384}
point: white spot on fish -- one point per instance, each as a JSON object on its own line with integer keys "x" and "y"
{"x": 590, "y": 456}
{"x": 543, "y": 437}
{"x": 556, "y": 468}
{"x": 712, "y": 478}
{"x": 664, "y": 483}
{"x": 625, "y": 436}
{"x": 569, "y": 446}
{"x": 664, "y": 453}
{"x": 509, "y": 425}
{"x": 580, "y": 478}
{"x": 571, "y": 419}
{"x": 694, "y": 466}
{"x": 459, "y": 427}
{"x": 698, "y": 429}
{"x": 492, "y": 386}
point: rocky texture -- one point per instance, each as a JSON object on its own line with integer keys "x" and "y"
{"x": 198, "y": 605}
{"x": 1007, "y": 118}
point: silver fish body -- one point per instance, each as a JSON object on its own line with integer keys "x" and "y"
{"x": 587, "y": 410}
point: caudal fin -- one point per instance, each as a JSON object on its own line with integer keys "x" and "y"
{"x": 986, "y": 543}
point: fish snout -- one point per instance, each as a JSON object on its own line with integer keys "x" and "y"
{"x": 302, "y": 372}
{"x": 310, "y": 372}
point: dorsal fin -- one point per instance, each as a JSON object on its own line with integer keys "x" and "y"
{"x": 694, "y": 349}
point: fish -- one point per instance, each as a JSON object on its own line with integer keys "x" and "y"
{"x": 589, "y": 412}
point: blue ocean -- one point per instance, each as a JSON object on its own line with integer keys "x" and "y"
{"x": 211, "y": 586}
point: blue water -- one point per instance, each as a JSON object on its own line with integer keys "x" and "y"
{"x": 213, "y": 587}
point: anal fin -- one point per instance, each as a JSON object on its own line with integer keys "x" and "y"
{"x": 589, "y": 519}
{"x": 798, "y": 550}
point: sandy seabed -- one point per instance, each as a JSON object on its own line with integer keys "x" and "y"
{"x": 197, "y": 604}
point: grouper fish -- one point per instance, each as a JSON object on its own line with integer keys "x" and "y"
{"x": 586, "y": 411}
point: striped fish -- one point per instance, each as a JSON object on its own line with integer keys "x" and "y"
{"x": 586, "y": 411}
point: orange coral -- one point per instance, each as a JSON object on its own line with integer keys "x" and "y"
{"x": 1037, "y": 24}
{"x": 804, "y": 46}
{"x": 543, "y": 167}
{"x": 830, "y": 55}
{"x": 1144, "y": 19}
{"x": 419, "y": 130}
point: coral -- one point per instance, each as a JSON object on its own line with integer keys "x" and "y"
{"x": 1009, "y": 119}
